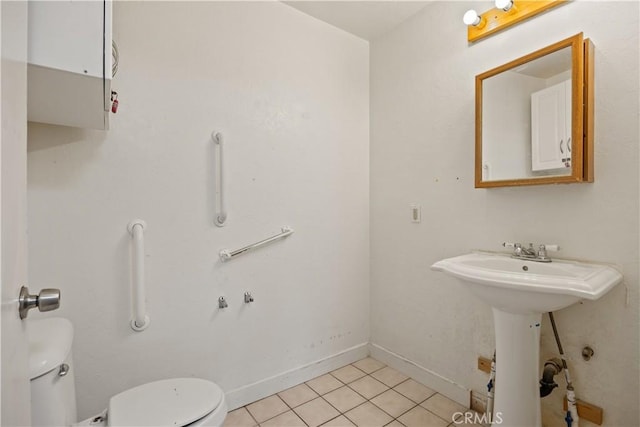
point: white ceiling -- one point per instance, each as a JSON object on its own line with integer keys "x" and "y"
{"x": 365, "y": 19}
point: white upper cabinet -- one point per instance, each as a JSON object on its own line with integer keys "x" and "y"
{"x": 69, "y": 55}
{"x": 551, "y": 127}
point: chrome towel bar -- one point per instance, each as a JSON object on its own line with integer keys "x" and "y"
{"x": 226, "y": 254}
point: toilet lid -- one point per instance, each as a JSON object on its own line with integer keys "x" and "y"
{"x": 173, "y": 402}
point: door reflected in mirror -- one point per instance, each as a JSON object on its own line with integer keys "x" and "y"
{"x": 529, "y": 119}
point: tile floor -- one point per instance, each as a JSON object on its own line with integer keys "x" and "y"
{"x": 365, "y": 394}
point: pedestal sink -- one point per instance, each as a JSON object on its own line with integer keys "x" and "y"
{"x": 520, "y": 291}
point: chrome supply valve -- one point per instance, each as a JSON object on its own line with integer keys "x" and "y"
{"x": 222, "y": 302}
{"x": 248, "y": 297}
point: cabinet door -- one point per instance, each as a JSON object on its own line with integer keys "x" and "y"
{"x": 550, "y": 128}
{"x": 68, "y": 36}
{"x": 69, "y": 72}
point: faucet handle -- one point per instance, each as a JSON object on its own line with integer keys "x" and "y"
{"x": 517, "y": 247}
{"x": 511, "y": 245}
{"x": 542, "y": 250}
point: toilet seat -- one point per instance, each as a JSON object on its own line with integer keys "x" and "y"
{"x": 173, "y": 402}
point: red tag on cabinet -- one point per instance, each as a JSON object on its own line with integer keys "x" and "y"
{"x": 114, "y": 101}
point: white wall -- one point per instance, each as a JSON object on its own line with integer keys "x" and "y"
{"x": 291, "y": 96}
{"x": 422, "y": 151}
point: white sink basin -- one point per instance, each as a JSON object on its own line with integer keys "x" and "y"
{"x": 522, "y": 286}
{"x": 519, "y": 291}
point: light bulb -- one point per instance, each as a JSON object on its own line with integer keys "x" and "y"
{"x": 471, "y": 17}
{"x": 504, "y": 4}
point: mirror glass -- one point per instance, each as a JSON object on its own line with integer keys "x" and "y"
{"x": 528, "y": 114}
{"x": 526, "y": 120}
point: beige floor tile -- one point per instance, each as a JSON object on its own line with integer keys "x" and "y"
{"x": 368, "y": 415}
{"x": 267, "y": 408}
{"x": 344, "y": 399}
{"x": 288, "y": 419}
{"x": 296, "y": 396}
{"x": 442, "y": 406}
{"x": 368, "y": 387}
{"x": 389, "y": 376}
{"x": 316, "y": 412}
{"x": 391, "y": 394}
{"x": 414, "y": 390}
{"x": 239, "y": 418}
{"x": 420, "y": 417}
{"x": 393, "y": 403}
{"x": 369, "y": 365}
{"x": 348, "y": 373}
{"x": 324, "y": 384}
{"x": 340, "y": 421}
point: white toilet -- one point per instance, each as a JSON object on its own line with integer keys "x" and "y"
{"x": 172, "y": 402}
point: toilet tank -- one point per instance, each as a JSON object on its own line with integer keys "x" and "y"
{"x": 51, "y": 369}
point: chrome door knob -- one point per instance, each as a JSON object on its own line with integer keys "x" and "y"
{"x": 46, "y": 300}
{"x": 49, "y": 299}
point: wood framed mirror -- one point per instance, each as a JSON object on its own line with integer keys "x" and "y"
{"x": 534, "y": 118}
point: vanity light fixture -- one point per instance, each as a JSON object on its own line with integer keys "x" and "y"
{"x": 505, "y": 5}
{"x": 505, "y": 14}
{"x": 471, "y": 17}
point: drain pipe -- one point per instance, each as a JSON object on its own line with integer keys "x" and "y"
{"x": 552, "y": 367}
{"x": 490, "y": 387}
{"x": 572, "y": 418}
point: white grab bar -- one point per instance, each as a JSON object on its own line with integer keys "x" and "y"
{"x": 226, "y": 254}
{"x": 140, "y": 320}
{"x": 221, "y": 214}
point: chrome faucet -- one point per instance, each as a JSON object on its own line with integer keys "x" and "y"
{"x": 530, "y": 253}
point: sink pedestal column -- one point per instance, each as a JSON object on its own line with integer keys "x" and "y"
{"x": 517, "y": 389}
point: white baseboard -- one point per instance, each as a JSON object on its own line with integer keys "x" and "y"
{"x": 277, "y": 383}
{"x": 264, "y": 388}
{"x": 421, "y": 374}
